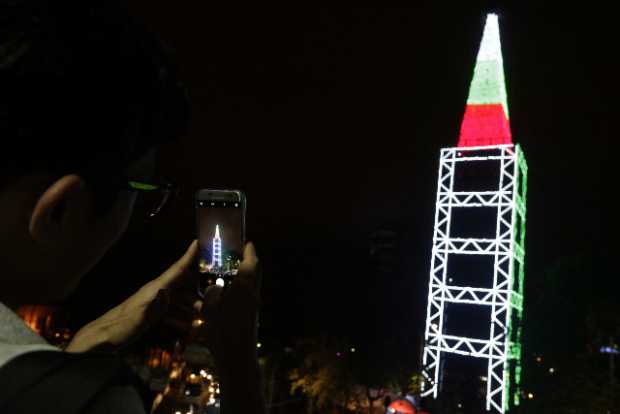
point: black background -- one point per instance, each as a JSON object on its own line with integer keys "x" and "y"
{"x": 341, "y": 113}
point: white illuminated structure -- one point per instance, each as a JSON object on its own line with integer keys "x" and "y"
{"x": 486, "y": 122}
{"x": 216, "y": 261}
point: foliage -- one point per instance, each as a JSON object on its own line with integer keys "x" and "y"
{"x": 334, "y": 374}
{"x": 323, "y": 376}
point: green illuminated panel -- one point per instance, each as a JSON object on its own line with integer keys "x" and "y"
{"x": 515, "y": 332}
{"x": 142, "y": 186}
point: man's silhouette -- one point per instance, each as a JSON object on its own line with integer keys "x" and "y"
{"x": 86, "y": 95}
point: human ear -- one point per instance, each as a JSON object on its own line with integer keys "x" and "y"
{"x": 50, "y": 211}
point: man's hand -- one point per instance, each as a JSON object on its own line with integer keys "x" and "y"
{"x": 230, "y": 332}
{"x": 170, "y": 298}
{"x": 231, "y": 314}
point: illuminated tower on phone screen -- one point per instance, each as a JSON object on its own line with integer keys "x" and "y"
{"x": 217, "y": 248}
{"x": 485, "y": 171}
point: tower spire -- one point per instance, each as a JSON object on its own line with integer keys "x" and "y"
{"x": 486, "y": 120}
{"x": 216, "y": 260}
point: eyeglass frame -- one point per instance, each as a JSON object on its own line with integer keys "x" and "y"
{"x": 166, "y": 188}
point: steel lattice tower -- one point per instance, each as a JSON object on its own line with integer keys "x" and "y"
{"x": 485, "y": 138}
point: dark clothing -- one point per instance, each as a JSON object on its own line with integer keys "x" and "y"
{"x": 36, "y": 377}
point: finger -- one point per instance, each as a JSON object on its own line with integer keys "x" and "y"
{"x": 179, "y": 268}
{"x": 248, "y": 273}
{"x": 181, "y": 311}
{"x": 211, "y": 299}
{"x": 178, "y": 325}
{"x": 185, "y": 298}
{"x": 157, "y": 308}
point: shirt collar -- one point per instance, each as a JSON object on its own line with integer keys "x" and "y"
{"x": 13, "y": 330}
{"x": 16, "y": 338}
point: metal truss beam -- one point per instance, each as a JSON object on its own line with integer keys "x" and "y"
{"x": 501, "y": 348}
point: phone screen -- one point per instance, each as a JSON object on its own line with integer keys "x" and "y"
{"x": 220, "y": 235}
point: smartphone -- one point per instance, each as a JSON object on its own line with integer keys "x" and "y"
{"x": 220, "y": 216}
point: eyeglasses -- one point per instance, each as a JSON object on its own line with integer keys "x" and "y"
{"x": 153, "y": 195}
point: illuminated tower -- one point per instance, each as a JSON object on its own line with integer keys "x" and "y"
{"x": 216, "y": 261}
{"x": 485, "y": 156}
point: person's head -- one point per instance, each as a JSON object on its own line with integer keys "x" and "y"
{"x": 86, "y": 94}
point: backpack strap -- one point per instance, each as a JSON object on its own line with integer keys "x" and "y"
{"x": 61, "y": 382}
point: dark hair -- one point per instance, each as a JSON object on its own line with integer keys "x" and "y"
{"x": 84, "y": 88}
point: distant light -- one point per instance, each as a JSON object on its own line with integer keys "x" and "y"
{"x": 539, "y": 359}
{"x": 178, "y": 412}
{"x": 186, "y": 392}
{"x": 459, "y": 405}
{"x": 219, "y": 282}
{"x": 338, "y": 354}
{"x": 352, "y": 349}
{"x": 211, "y": 389}
{"x": 209, "y": 376}
{"x": 530, "y": 396}
{"x": 484, "y": 379}
{"x": 203, "y": 373}
{"x": 259, "y": 345}
{"x": 192, "y": 375}
{"x": 609, "y": 350}
{"x": 392, "y": 410}
{"x": 217, "y": 391}
{"x": 551, "y": 370}
{"x": 197, "y": 322}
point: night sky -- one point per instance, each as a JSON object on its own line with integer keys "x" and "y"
{"x": 331, "y": 120}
